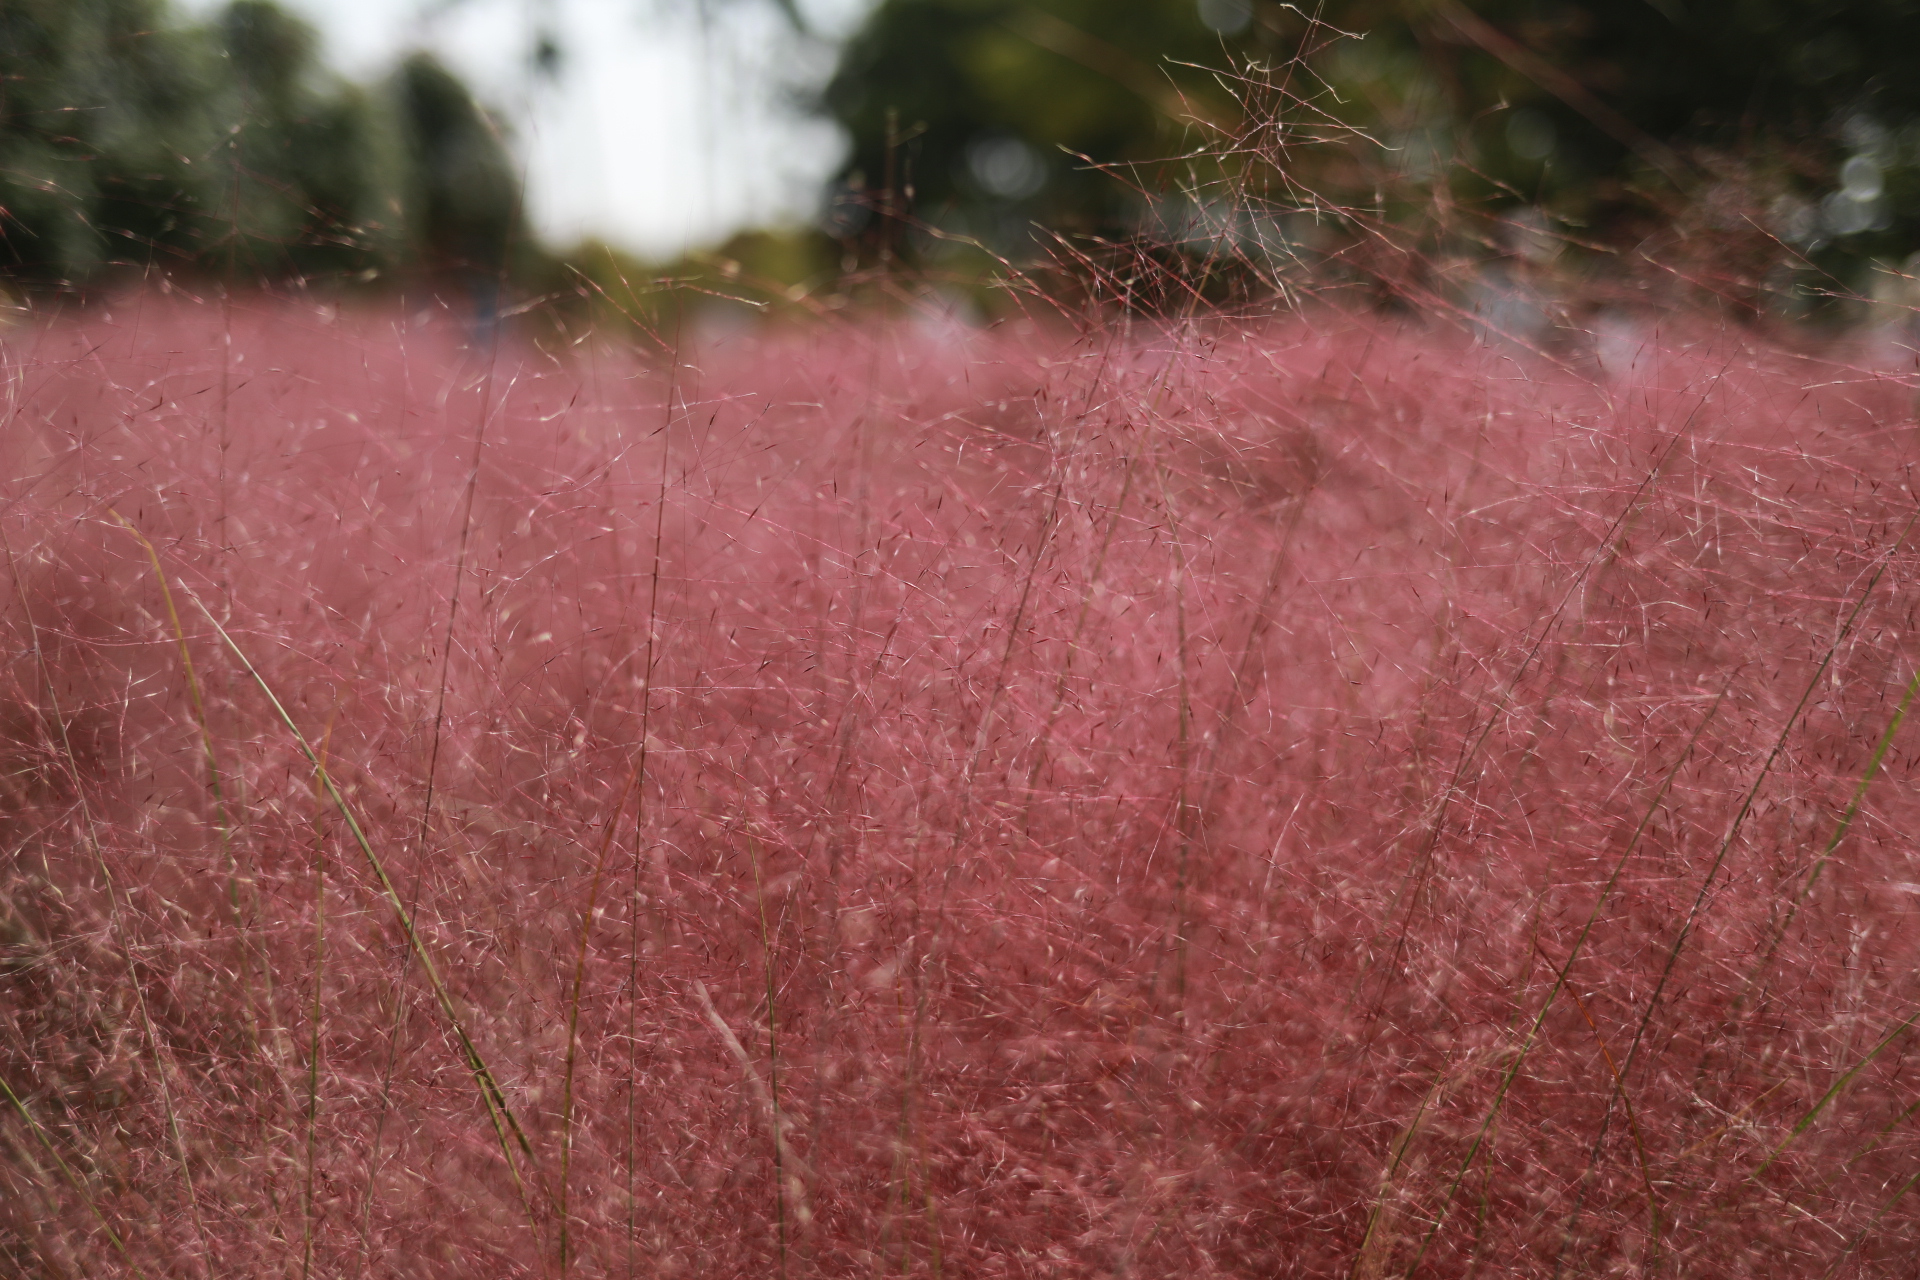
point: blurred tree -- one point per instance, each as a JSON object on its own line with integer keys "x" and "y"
{"x": 311, "y": 173}
{"x": 979, "y": 116}
{"x": 1766, "y": 127}
{"x": 102, "y": 114}
{"x": 130, "y": 140}
{"x": 464, "y": 199}
{"x": 1785, "y": 126}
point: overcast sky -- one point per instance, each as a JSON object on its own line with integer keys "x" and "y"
{"x": 662, "y": 131}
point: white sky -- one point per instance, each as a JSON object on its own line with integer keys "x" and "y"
{"x": 664, "y": 130}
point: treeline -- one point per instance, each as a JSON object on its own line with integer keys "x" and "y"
{"x": 1761, "y": 150}
{"x": 1748, "y": 144}
{"x": 133, "y": 142}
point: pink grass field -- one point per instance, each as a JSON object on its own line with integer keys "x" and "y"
{"x": 1323, "y": 799}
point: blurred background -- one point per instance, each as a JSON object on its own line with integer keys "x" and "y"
{"x": 1512, "y": 159}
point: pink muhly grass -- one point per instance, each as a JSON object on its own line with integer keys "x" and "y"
{"x": 1322, "y": 798}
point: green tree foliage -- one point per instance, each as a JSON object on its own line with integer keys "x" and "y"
{"x": 1781, "y": 122}
{"x": 1789, "y": 125}
{"x": 307, "y": 180}
{"x": 465, "y": 196}
{"x": 132, "y": 141}
{"x": 981, "y": 115}
{"x": 102, "y": 116}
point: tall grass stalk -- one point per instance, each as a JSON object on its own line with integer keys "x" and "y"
{"x": 425, "y": 827}
{"x": 73, "y": 1179}
{"x": 115, "y": 915}
{"x": 250, "y": 962}
{"x": 197, "y": 702}
{"x": 1617, "y": 1093}
{"x": 775, "y": 1121}
{"x": 506, "y": 1125}
{"x": 1840, "y": 830}
{"x": 588, "y": 916}
{"x": 1527, "y": 1041}
{"x": 634, "y": 896}
{"x": 317, "y": 1011}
